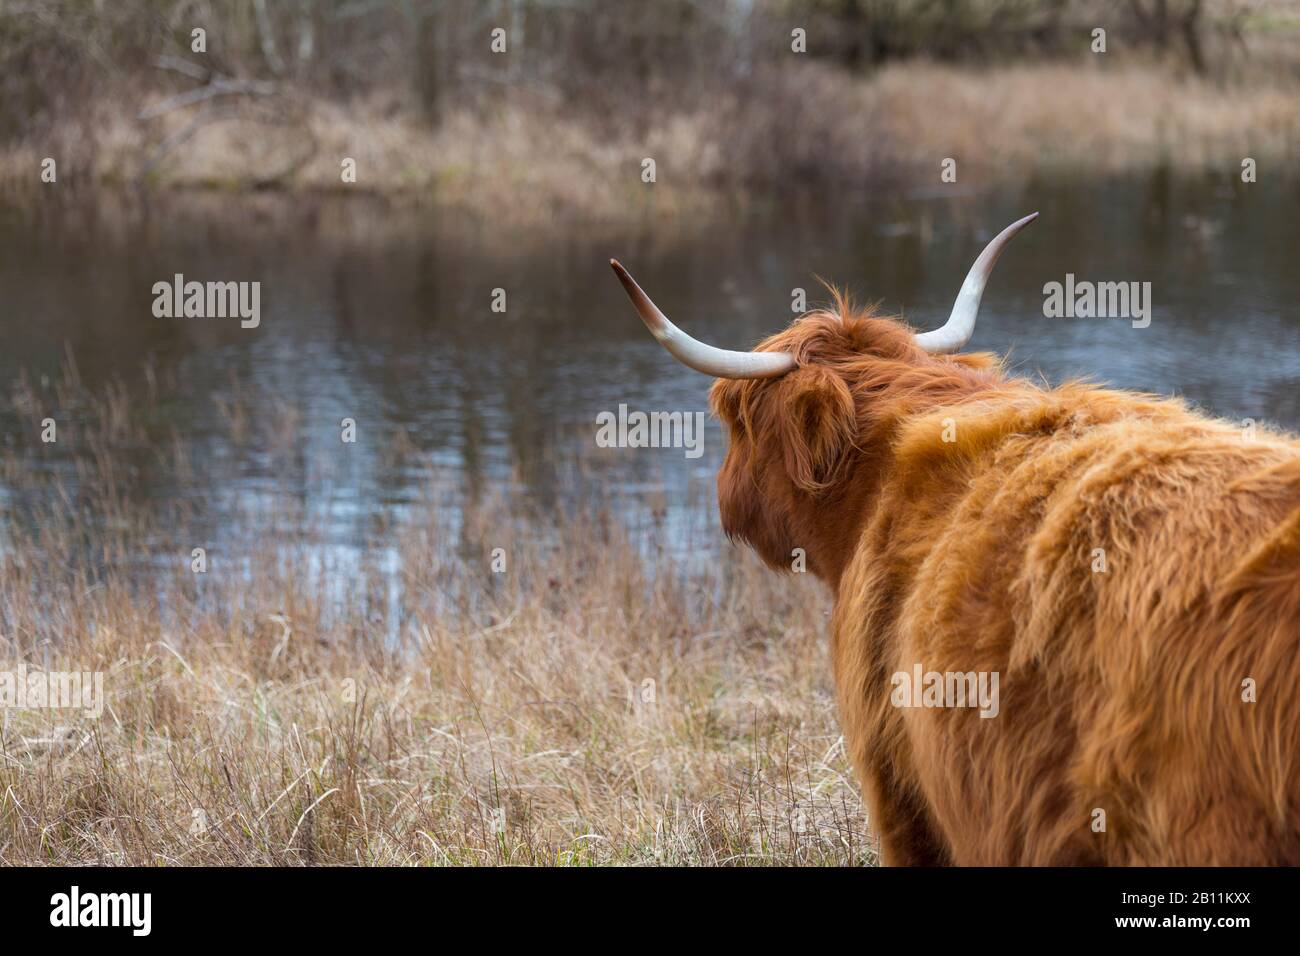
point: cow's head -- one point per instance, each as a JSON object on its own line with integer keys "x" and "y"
{"x": 812, "y": 410}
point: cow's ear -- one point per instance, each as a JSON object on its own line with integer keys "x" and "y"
{"x": 818, "y": 422}
{"x": 724, "y": 399}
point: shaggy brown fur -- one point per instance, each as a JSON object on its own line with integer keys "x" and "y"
{"x": 1121, "y": 690}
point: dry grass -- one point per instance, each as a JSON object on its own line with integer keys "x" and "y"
{"x": 412, "y": 707}
{"x": 1024, "y": 119}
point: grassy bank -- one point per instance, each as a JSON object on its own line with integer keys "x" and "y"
{"x": 532, "y": 156}
{"x": 597, "y": 702}
{"x": 558, "y": 118}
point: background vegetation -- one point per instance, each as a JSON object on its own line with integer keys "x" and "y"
{"x": 711, "y": 90}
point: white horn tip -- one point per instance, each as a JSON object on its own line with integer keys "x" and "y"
{"x": 957, "y": 331}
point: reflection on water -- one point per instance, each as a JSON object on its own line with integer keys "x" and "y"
{"x": 384, "y": 316}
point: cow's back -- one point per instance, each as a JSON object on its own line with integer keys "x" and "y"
{"x": 1131, "y": 572}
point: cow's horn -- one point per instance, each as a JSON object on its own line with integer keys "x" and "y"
{"x": 720, "y": 363}
{"x": 957, "y": 331}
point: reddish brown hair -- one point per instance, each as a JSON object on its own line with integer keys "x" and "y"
{"x": 958, "y": 515}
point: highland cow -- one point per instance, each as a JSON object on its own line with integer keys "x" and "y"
{"x": 1129, "y": 569}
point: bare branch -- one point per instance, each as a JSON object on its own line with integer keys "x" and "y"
{"x": 218, "y": 87}
{"x": 194, "y": 71}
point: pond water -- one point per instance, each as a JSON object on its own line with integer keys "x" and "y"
{"x": 384, "y": 314}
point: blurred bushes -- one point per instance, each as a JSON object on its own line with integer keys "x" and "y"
{"x": 601, "y": 51}
{"x": 413, "y": 90}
